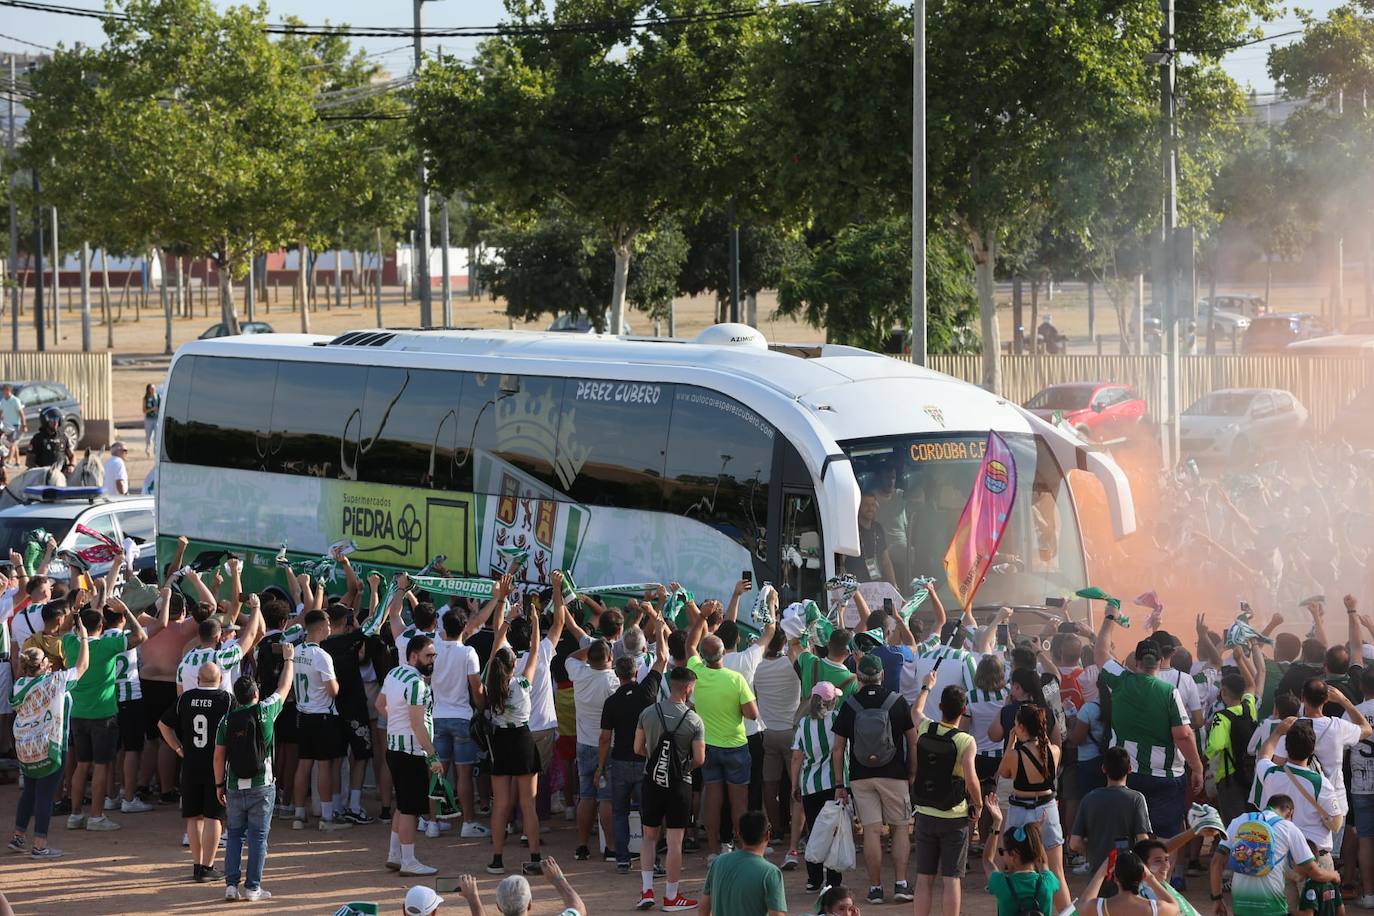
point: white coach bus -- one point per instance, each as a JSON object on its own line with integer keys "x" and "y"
{"x": 618, "y": 459}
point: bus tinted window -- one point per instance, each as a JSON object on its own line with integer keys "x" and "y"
{"x": 527, "y": 411}
{"x": 720, "y": 462}
{"x": 313, "y": 405}
{"x": 408, "y": 430}
{"x": 174, "y": 405}
{"x": 613, "y": 440}
{"x": 229, "y": 413}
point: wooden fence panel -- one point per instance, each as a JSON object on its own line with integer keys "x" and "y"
{"x": 1324, "y": 384}
{"x": 87, "y": 375}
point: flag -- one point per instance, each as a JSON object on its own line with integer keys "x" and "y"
{"x": 105, "y": 549}
{"x": 983, "y": 522}
{"x": 358, "y": 908}
{"x": 1093, "y": 593}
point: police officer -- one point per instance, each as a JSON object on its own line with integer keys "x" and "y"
{"x": 49, "y": 446}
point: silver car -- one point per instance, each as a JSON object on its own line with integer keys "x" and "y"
{"x": 1240, "y": 423}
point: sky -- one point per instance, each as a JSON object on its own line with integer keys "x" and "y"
{"x": 1247, "y": 64}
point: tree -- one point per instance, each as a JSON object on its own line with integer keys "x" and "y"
{"x": 857, "y": 286}
{"x": 201, "y": 128}
{"x": 621, "y": 124}
{"x": 766, "y": 251}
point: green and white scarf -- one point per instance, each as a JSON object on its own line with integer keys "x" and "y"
{"x": 480, "y": 589}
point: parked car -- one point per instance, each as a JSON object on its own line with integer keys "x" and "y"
{"x": 117, "y": 516}
{"x": 1275, "y": 331}
{"x": 1244, "y": 304}
{"x": 1238, "y": 423}
{"x": 1095, "y": 409}
{"x": 38, "y": 396}
{"x": 245, "y": 327}
{"x": 1227, "y": 315}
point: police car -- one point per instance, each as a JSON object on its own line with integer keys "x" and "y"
{"x": 58, "y": 510}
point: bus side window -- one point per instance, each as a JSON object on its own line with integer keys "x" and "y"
{"x": 231, "y": 402}
{"x": 612, "y": 442}
{"x": 174, "y": 410}
{"x": 312, "y": 407}
{"x": 408, "y": 431}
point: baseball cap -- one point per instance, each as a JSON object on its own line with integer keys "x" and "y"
{"x": 421, "y": 901}
{"x": 825, "y": 690}
{"x": 871, "y": 665}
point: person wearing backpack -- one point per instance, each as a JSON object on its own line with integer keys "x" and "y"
{"x": 42, "y": 703}
{"x": 1232, "y": 727}
{"x": 948, "y": 798}
{"x": 244, "y": 743}
{"x": 672, "y": 738}
{"x": 875, "y": 734}
{"x": 1021, "y": 880}
{"x": 1261, "y": 849}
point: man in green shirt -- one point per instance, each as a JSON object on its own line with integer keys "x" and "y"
{"x": 94, "y": 722}
{"x": 248, "y": 797}
{"x": 743, "y": 882}
{"x": 1150, "y": 722}
{"x": 831, "y": 668}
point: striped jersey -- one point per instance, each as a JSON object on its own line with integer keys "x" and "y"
{"x": 227, "y": 657}
{"x": 403, "y": 688}
{"x": 956, "y": 667}
{"x": 815, "y": 738}
{"x": 314, "y": 668}
{"x": 1145, "y": 711}
{"x": 985, "y": 708}
{"x": 403, "y": 641}
{"x": 127, "y": 686}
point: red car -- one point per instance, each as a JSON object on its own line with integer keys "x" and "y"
{"x": 1098, "y": 410}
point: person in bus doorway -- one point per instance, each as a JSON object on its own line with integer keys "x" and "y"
{"x": 873, "y": 564}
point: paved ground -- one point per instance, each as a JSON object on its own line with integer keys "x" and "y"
{"x": 143, "y": 870}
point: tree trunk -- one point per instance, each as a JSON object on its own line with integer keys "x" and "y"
{"x": 1018, "y": 337}
{"x": 301, "y": 287}
{"x": 105, "y": 298}
{"x": 1140, "y": 313}
{"x": 672, "y": 319}
{"x": 166, "y": 300}
{"x": 984, "y": 245}
{"x": 616, "y": 325}
{"x": 1035, "y": 317}
{"x": 85, "y": 297}
{"x": 380, "y": 263}
{"x": 1268, "y": 279}
{"x": 751, "y": 310}
{"x": 227, "y": 310}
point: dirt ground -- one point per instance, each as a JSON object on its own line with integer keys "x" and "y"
{"x": 143, "y": 870}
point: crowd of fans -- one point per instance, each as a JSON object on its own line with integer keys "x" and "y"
{"x": 1089, "y": 752}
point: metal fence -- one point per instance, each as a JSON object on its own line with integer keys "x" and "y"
{"x": 1323, "y": 384}
{"x": 87, "y": 375}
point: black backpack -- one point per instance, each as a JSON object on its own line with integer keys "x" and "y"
{"x": 243, "y": 740}
{"x": 937, "y": 758}
{"x": 267, "y": 664}
{"x": 1237, "y": 753}
{"x": 665, "y": 766}
{"x": 1031, "y": 907}
{"x": 872, "y": 742}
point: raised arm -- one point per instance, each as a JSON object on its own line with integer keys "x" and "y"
{"x": 288, "y": 668}
{"x": 1318, "y": 611}
{"x": 1354, "y": 644}
{"x": 1208, "y": 650}
{"x": 393, "y": 607}
{"x": 499, "y": 591}
{"x": 732, "y": 611}
{"x": 986, "y": 637}
{"x": 134, "y": 633}
{"x": 532, "y": 657}
{"x": 939, "y": 606}
{"x": 560, "y": 883}
{"x": 236, "y": 588}
{"x": 1102, "y": 648}
{"x": 353, "y": 585}
{"x": 293, "y": 588}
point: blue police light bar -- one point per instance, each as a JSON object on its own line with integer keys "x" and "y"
{"x": 59, "y": 494}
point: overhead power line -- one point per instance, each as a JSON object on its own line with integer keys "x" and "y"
{"x": 23, "y": 41}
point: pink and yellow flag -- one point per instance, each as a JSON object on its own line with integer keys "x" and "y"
{"x": 984, "y": 521}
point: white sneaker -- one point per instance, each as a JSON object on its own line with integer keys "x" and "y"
{"x": 432, "y": 830}
{"x": 76, "y": 821}
{"x": 473, "y": 829}
{"x": 570, "y": 814}
{"x": 417, "y": 868}
{"x": 137, "y": 806}
{"x": 335, "y": 823}
{"x": 252, "y": 895}
{"x": 444, "y": 825}
{"x": 111, "y": 804}
{"x": 1367, "y": 901}
{"x": 101, "y": 823}
{"x": 298, "y": 824}
{"x": 185, "y": 840}
{"x": 231, "y": 892}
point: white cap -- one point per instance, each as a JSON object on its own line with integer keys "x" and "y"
{"x": 421, "y": 901}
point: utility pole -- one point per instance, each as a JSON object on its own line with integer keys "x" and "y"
{"x": 734, "y": 261}
{"x": 86, "y": 297}
{"x": 14, "y": 223}
{"x": 422, "y": 208}
{"x": 56, "y": 284}
{"x": 250, "y": 294}
{"x": 918, "y": 185}
{"x": 1168, "y": 73}
{"x": 443, "y": 259}
{"x": 38, "y": 263}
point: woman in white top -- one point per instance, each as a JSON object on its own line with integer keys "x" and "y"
{"x": 514, "y": 758}
{"x": 40, "y": 696}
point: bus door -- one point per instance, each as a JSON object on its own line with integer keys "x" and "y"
{"x": 801, "y": 558}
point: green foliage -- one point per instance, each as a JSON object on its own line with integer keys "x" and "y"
{"x": 765, "y": 253}
{"x": 857, "y": 286}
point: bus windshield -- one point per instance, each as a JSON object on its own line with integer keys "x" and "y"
{"x": 921, "y": 484}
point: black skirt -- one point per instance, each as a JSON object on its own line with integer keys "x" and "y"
{"x": 513, "y": 752}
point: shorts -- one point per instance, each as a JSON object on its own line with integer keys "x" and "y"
{"x": 587, "y": 756}
{"x": 1045, "y": 814}
{"x": 95, "y": 740}
{"x": 660, "y": 807}
{"x": 881, "y": 801}
{"x": 566, "y": 748}
{"x": 410, "y": 776}
{"x": 941, "y": 845}
{"x": 1362, "y": 816}
{"x": 777, "y": 754}
{"x": 6, "y": 685}
{"x": 544, "y": 741}
{"x": 198, "y": 796}
{"x": 730, "y": 765}
{"x": 373, "y": 689}
{"x": 133, "y": 730}
{"x": 513, "y": 752}
{"x": 320, "y": 736}
{"x": 287, "y": 729}
{"x": 158, "y": 697}
{"x": 357, "y": 733}
{"x": 453, "y": 741}
{"x": 986, "y": 766}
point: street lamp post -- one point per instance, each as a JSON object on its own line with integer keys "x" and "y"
{"x": 422, "y": 279}
{"x": 918, "y": 184}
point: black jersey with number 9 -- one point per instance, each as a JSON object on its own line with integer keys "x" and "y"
{"x": 195, "y": 717}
